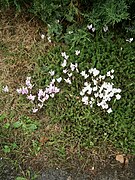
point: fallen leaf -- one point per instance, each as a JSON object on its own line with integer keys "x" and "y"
{"x": 43, "y": 140}
{"x": 47, "y": 128}
{"x": 126, "y": 161}
{"x": 120, "y": 158}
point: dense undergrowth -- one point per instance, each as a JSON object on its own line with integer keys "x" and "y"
{"x": 93, "y": 35}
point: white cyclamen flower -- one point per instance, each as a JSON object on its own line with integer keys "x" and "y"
{"x": 109, "y": 110}
{"x": 65, "y": 71}
{"x": 129, "y": 40}
{"x": 34, "y": 110}
{"x": 64, "y": 63}
{"x": 59, "y": 79}
{"x": 93, "y": 29}
{"x": 95, "y": 72}
{"x": 89, "y": 26}
{"x": 118, "y": 96}
{"x": 105, "y": 28}
{"x": 42, "y": 36}
{"x": 64, "y": 55}
{"x": 72, "y": 66}
{"x": 84, "y": 74}
{"x": 85, "y": 100}
{"x": 51, "y": 73}
{"x": 70, "y": 32}
{"x": 67, "y": 81}
{"x": 77, "y": 52}
{"x": 5, "y": 89}
{"x": 49, "y": 39}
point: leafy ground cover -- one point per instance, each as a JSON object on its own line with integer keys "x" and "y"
{"x": 65, "y": 129}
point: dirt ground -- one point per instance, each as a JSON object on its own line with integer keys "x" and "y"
{"x": 112, "y": 171}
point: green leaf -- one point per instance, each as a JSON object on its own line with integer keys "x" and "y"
{"x": 20, "y": 178}
{"x": 6, "y": 126}
{"x": 17, "y": 124}
{"x": 6, "y": 149}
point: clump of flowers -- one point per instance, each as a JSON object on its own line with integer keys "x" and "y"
{"x": 97, "y": 90}
{"x": 38, "y": 99}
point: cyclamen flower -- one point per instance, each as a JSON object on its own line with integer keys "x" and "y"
{"x": 49, "y": 39}
{"x": 51, "y": 73}
{"x": 70, "y": 32}
{"x": 19, "y": 90}
{"x": 64, "y": 55}
{"x": 77, "y": 52}
{"x": 31, "y": 97}
{"x": 112, "y": 71}
{"x": 118, "y": 96}
{"x": 41, "y": 93}
{"x": 64, "y": 63}
{"x": 89, "y": 26}
{"x": 65, "y": 71}
{"x": 42, "y": 99}
{"x": 74, "y": 67}
{"x": 24, "y": 90}
{"x": 105, "y": 28}
{"x": 42, "y": 36}
{"x": 93, "y": 29}
{"x": 34, "y": 110}
{"x": 5, "y": 89}
{"x": 109, "y": 110}
{"x": 59, "y": 79}
{"x": 52, "y": 89}
{"x": 84, "y": 74}
{"x": 40, "y": 105}
{"x": 53, "y": 81}
{"x": 95, "y": 72}
{"x": 129, "y": 40}
{"x": 70, "y": 74}
{"x": 28, "y": 83}
{"x": 85, "y": 100}
{"x": 68, "y": 81}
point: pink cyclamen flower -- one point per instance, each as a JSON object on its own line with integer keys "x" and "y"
{"x": 41, "y": 93}
{"x": 28, "y": 83}
{"x": 31, "y": 97}
{"x": 24, "y": 90}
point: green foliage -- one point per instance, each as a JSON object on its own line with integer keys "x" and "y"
{"x": 99, "y": 13}
{"x": 24, "y": 127}
{"x": 92, "y": 127}
{"x": 107, "y": 13}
